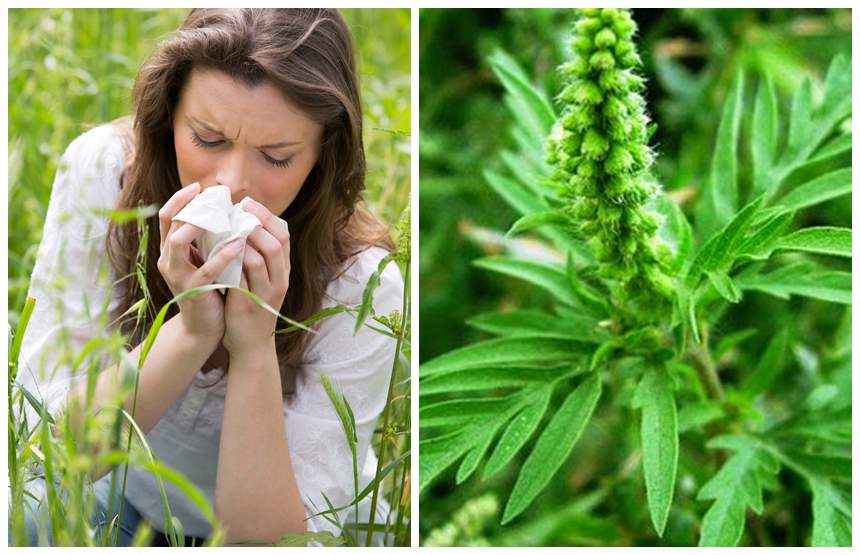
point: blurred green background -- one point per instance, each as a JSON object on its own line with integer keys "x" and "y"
{"x": 689, "y": 56}
{"x": 73, "y": 69}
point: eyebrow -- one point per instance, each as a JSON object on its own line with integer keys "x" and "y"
{"x": 212, "y": 129}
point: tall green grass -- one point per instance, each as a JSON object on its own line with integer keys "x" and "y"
{"x": 70, "y": 70}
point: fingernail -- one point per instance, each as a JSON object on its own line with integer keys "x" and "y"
{"x": 194, "y": 186}
{"x": 247, "y": 204}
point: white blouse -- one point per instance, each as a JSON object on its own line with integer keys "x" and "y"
{"x": 70, "y": 283}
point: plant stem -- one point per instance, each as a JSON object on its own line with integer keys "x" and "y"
{"x": 706, "y": 368}
{"x": 387, "y": 412}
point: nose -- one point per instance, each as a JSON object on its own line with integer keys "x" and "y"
{"x": 233, "y": 172}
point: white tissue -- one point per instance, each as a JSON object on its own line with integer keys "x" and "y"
{"x": 223, "y": 221}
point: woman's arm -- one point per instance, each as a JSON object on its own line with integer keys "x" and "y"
{"x": 175, "y": 357}
{"x": 256, "y": 496}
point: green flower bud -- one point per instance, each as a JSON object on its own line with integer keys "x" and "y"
{"x": 599, "y": 152}
{"x": 587, "y": 92}
{"x": 604, "y": 38}
{"x": 594, "y": 145}
{"x": 620, "y": 160}
{"x": 602, "y": 60}
{"x": 588, "y": 26}
{"x": 613, "y": 108}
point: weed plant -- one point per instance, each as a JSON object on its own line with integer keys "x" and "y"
{"x": 647, "y": 337}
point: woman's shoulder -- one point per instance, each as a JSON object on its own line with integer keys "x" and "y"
{"x": 348, "y": 287}
{"x": 98, "y": 150}
{"x": 87, "y": 179}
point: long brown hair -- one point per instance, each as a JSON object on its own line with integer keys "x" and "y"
{"x": 308, "y": 55}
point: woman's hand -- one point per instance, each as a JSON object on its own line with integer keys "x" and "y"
{"x": 182, "y": 268}
{"x": 266, "y": 273}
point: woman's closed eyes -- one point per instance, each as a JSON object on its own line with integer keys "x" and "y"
{"x": 202, "y": 143}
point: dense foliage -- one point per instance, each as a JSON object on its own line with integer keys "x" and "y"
{"x": 647, "y": 369}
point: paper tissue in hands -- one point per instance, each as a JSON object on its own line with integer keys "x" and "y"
{"x": 222, "y": 221}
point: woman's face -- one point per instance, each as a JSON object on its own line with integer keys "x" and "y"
{"x": 249, "y": 138}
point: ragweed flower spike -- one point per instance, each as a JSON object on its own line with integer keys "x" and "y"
{"x": 599, "y": 152}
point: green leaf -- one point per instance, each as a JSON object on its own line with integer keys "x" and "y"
{"x": 518, "y": 432}
{"x": 698, "y": 414}
{"x": 40, "y": 408}
{"x": 820, "y": 240}
{"x": 722, "y": 248}
{"x": 490, "y": 378}
{"x": 684, "y": 314}
{"x": 841, "y": 144}
{"x": 837, "y": 88}
{"x": 439, "y": 453}
{"x": 818, "y": 465}
{"x": 659, "y": 432}
{"x": 759, "y": 244}
{"x": 505, "y": 352}
{"x": 736, "y": 486}
{"x": 537, "y": 219}
{"x": 366, "y": 308}
{"x": 23, "y": 322}
{"x": 828, "y": 186}
{"x": 771, "y": 364}
{"x": 828, "y": 426}
{"x": 535, "y": 323}
{"x": 554, "y": 445}
{"x": 460, "y": 412}
{"x": 530, "y": 170}
{"x": 485, "y": 435}
{"x": 473, "y": 421}
{"x": 516, "y": 195}
{"x": 724, "y": 286}
{"x": 802, "y": 279}
{"x": 800, "y": 123}
{"x": 344, "y": 413}
{"x": 765, "y": 126}
{"x": 546, "y": 276}
{"x": 677, "y": 229}
{"x": 529, "y": 106}
{"x": 809, "y": 126}
{"x": 720, "y": 199}
{"x": 831, "y": 516}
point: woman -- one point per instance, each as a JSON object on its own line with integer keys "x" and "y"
{"x": 264, "y": 102}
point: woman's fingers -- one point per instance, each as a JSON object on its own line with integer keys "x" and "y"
{"x": 209, "y": 272}
{"x": 179, "y": 243}
{"x": 254, "y": 267}
{"x": 277, "y": 227}
{"x": 172, "y": 207}
{"x": 272, "y": 252}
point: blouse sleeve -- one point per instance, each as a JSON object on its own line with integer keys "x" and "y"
{"x": 71, "y": 276}
{"x": 359, "y": 366}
